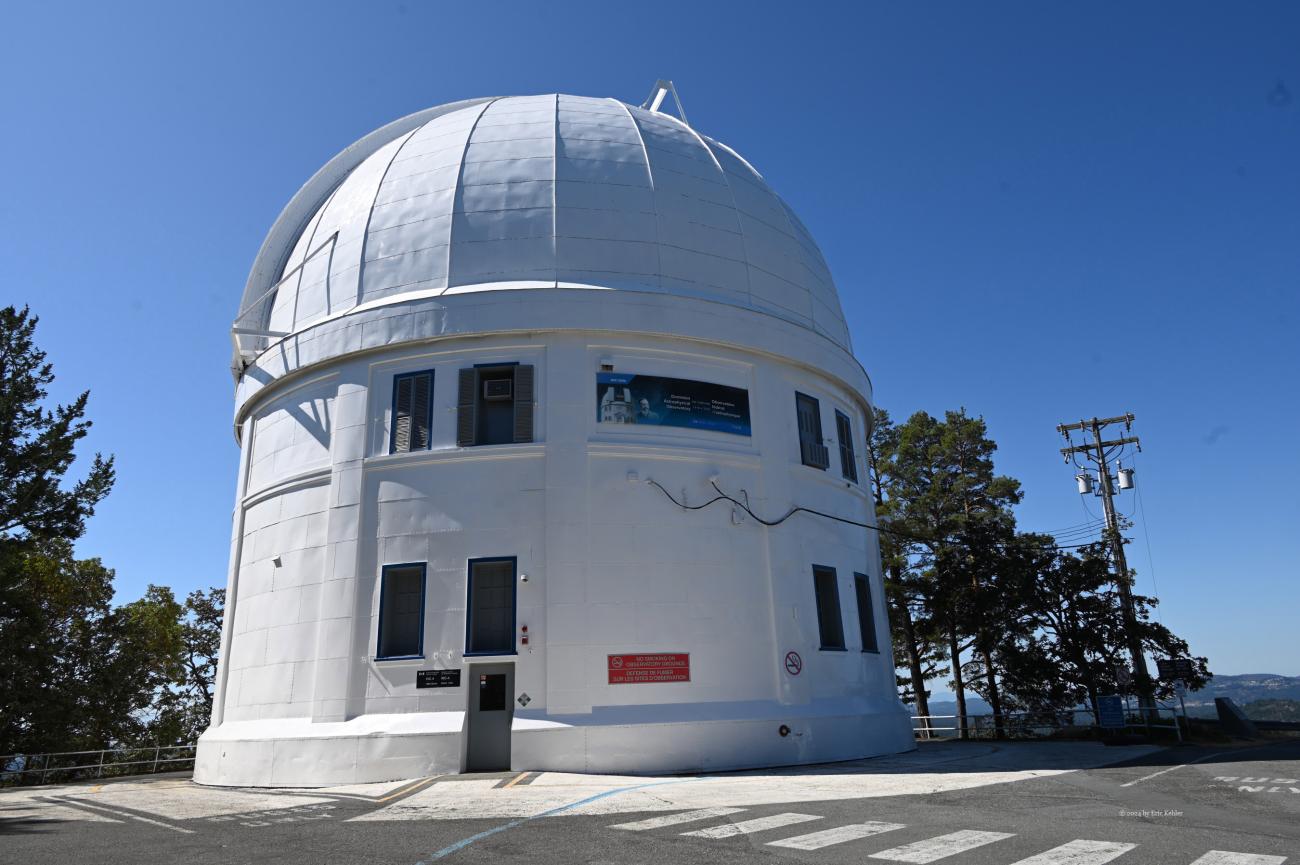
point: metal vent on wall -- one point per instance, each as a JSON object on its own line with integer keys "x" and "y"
{"x": 498, "y": 389}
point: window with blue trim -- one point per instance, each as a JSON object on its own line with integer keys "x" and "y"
{"x": 848, "y": 461}
{"x": 830, "y": 627}
{"x": 490, "y": 607}
{"x": 401, "y": 612}
{"x": 866, "y": 613}
{"x": 494, "y": 404}
{"x": 808, "y": 413}
{"x": 412, "y": 412}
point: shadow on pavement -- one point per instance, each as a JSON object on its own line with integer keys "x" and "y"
{"x": 25, "y": 824}
{"x": 1208, "y": 755}
{"x": 955, "y": 757}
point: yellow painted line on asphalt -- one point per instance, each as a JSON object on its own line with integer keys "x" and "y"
{"x": 410, "y": 788}
{"x": 515, "y": 780}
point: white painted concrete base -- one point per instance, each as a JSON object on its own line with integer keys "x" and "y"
{"x": 709, "y": 746}
{"x": 294, "y": 752}
{"x": 298, "y": 753}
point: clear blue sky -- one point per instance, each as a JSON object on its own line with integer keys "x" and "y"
{"x": 1037, "y": 211}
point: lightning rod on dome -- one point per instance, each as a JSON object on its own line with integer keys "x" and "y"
{"x": 662, "y": 88}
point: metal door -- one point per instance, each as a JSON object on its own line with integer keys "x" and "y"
{"x": 491, "y": 711}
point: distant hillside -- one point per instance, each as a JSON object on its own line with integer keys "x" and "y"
{"x": 974, "y": 706}
{"x": 1241, "y": 689}
{"x": 1247, "y": 688}
{"x": 1273, "y": 710}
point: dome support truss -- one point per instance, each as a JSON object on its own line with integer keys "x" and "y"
{"x": 662, "y": 89}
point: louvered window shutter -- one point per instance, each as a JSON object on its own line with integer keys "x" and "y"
{"x": 811, "y": 450}
{"x": 466, "y": 407}
{"x": 523, "y": 403}
{"x": 421, "y": 397}
{"x": 848, "y": 460}
{"x": 401, "y": 441}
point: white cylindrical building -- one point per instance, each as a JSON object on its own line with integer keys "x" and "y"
{"x": 491, "y": 362}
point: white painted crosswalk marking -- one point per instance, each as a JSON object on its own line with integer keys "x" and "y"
{"x": 758, "y": 824}
{"x": 1223, "y": 857}
{"x": 838, "y": 835}
{"x": 1079, "y": 852}
{"x": 941, "y": 847}
{"x": 675, "y": 819}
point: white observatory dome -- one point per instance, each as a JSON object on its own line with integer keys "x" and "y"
{"x": 546, "y": 191}
{"x": 496, "y": 364}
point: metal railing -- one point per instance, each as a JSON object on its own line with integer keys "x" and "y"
{"x": 18, "y": 769}
{"x": 1038, "y": 725}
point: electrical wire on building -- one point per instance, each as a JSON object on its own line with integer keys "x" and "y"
{"x": 725, "y": 497}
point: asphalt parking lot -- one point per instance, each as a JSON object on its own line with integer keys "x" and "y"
{"x": 959, "y": 803}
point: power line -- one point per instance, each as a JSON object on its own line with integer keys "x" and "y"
{"x": 1100, "y": 451}
{"x": 1146, "y": 538}
{"x": 1082, "y": 533}
{"x": 1091, "y": 530}
{"x": 1089, "y": 523}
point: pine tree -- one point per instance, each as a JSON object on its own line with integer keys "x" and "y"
{"x": 184, "y": 708}
{"x": 52, "y": 607}
{"x": 915, "y": 647}
{"x": 37, "y": 444}
{"x": 949, "y": 498}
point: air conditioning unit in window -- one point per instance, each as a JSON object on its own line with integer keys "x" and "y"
{"x": 495, "y": 389}
{"x": 815, "y": 455}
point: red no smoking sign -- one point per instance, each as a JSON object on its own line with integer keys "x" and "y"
{"x": 793, "y": 663}
{"x": 649, "y": 668}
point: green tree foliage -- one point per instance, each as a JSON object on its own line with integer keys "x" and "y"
{"x": 1021, "y": 622}
{"x": 915, "y": 638}
{"x": 953, "y": 512}
{"x": 184, "y": 708}
{"x": 1066, "y": 644}
{"x": 1272, "y": 710}
{"x": 37, "y": 444}
{"x": 1069, "y": 646}
{"x": 75, "y": 671}
{"x": 79, "y": 673}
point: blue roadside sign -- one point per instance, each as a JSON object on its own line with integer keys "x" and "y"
{"x": 1110, "y": 711}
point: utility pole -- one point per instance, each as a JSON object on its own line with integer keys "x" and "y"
{"x": 1096, "y": 450}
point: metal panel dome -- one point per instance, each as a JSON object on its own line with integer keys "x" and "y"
{"x": 538, "y": 191}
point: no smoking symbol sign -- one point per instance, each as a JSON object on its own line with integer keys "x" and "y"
{"x": 793, "y": 663}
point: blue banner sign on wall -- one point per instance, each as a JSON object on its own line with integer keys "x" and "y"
{"x": 626, "y": 398}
